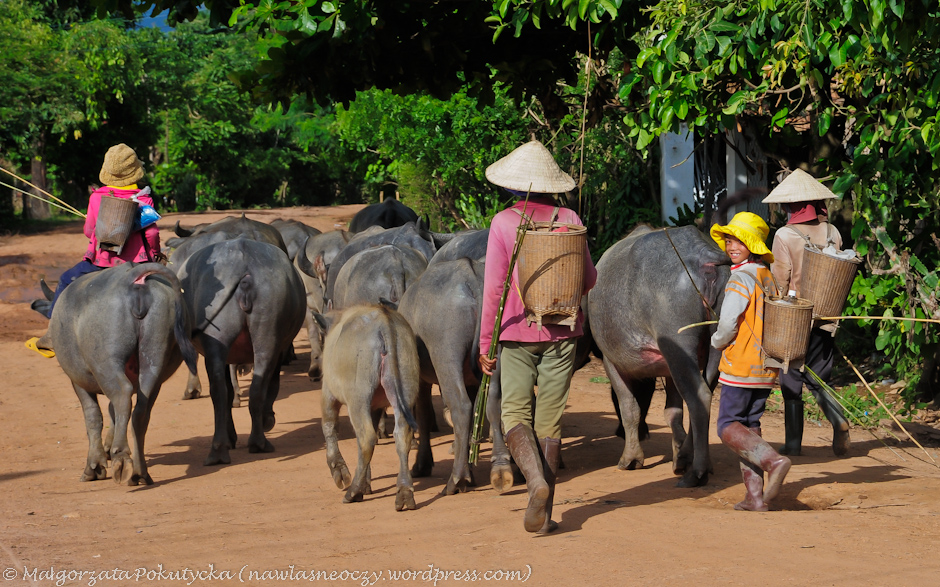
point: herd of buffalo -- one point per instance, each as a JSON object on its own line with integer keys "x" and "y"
{"x": 391, "y": 309}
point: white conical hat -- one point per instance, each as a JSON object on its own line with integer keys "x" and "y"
{"x": 530, "y": 167}
{"x": 799, "y": 186}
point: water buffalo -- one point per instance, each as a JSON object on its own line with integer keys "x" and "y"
{"x": 121, "y": 332}
{"x": 443, "y": 307}
{"x": 313, "y": 261}
{"x": 369, "y": 360}
{"x": 380, "y": 272}
{"x": 205, "y": 235}
{"x": 411, "y": 234}
{"x": 387, "y": 214}
{"x": 248, "y": 304}
{"x": 294, "y": 233}
{"x": 466, "y": 244}
{"x": 643, "y": 296}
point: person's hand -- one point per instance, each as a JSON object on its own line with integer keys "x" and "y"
{"x": 161, "y": 258}
{"x": 487, "y": 364}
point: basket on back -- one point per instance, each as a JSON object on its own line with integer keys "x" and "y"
{"x": 115, "y": 222}
{"x": 827, "y": 281}
{"x": 787, "y": 324}
{"x": 551, "y": 272}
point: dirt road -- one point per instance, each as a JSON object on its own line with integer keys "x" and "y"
{"x": 868, "y": 519}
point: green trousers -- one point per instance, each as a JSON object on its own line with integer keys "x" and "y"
{"x": 525, "y": 365}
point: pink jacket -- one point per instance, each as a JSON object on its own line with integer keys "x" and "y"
{"x": 134, "y": 249}
{"x": 498, "y": 253}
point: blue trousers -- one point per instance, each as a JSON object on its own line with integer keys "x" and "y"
{"x": 738, "y": 404}
{"x": 84, "y": 267}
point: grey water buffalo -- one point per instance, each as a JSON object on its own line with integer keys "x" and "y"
{"x": 205, "y": 235}
{"x": 644, "y": 295}
{"x": 294, "y": 233}
{"x": 376, "y": 273}
{"x": 121, "y": 332}
{"x": 443, "y": 307}
{"x": 248, "y": 304}
{"x": 466, "y": 244}
{"x": 369, "y": 360}
{"x": 410, "y": 235}
{"x": 387, "y": 214}
{"x": 313, "y": 261}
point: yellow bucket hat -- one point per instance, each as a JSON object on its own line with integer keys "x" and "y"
{"x": 750, "y": 229}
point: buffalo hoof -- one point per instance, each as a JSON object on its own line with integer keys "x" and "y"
{"x": 352, "y": 496}
{"x": 96, "y": 473}
{"x": 501, "y": 478}
{"x": 218, "y": 456}
{"x": 314, "y": 374}
{"x": 122, "y": 470}
{"x": 422, "y": 469}
{"x": 266, "y": 446}
{"x": 341, "y": 476}
{"x": 681, "y": 464}
{"x": 627, "y": 464}
{"x": 461, "y": 484}
{"x": 405, "y": 499}
{"x": 192, "y": 394}
{"x": 236, "y": 401}
{"x": 268, "y": 421}
{"x": 691, "y": 479}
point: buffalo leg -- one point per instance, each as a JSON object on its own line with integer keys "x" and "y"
{"x": 122, "y": 463}
{"x": 334, "y": 459}
{"x": 454, "y": 392}
{"x": 193, "y": 387}
{"x": 405, "y": 494}
{"x": 146, "y": 397}
{"x": 361, "y": 419}
{"x": 220, "y": 389}
{"x": 688, "y": 379}
{"x": 261, "y": 382}
{"x": 424, "y": 462}
{"x": 501, "y": 476}
{"x": 628, "y": 392}
{"x": 96, "y": 464}
{"x": 681, "y": 450}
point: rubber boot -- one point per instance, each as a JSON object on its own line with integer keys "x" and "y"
{"x": 551, "y": 452}
{"x": 755, "y": 450}
{"x": 754, "y": 487}
{"x": 528, "y": 456}
{"x": 793, "y": 425}
{"x": 840, "y": 426}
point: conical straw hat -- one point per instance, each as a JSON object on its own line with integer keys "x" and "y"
{"x": 530, "y": 167}
{"x": 799, "y": 186}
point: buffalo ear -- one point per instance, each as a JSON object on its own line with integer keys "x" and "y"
{"x": 389, "y": 303}
{"x": 323, "y": 320}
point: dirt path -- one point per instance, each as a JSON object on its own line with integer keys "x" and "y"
{"x": 869, "y": 519}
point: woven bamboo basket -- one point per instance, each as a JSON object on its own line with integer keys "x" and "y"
{"x": 551, "y": 272}
{"x": 115, "y": 222}
{"x": 787, "y": 324}
{"x": 827, "y": 281}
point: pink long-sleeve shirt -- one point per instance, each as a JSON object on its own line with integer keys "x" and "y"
{"x": 498, "y": 252}
{"x": 134, "y": 249}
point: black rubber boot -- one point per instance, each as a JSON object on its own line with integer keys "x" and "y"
{"x": 528, "y": 456}
{"x": 793, "y": 426}
{"x": 840, "y": 426}
{"x": 551, "y": 453}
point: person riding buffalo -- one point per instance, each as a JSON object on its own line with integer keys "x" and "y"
{"x": 119, "y": 175}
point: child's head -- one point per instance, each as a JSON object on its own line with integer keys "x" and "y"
{"x": 744, "y": 237}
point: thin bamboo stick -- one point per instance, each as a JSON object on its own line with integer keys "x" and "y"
{"x": 66, "y": 204}
{"x": 51, "y": 203}
{"x": 832, "y": 319}
{"x": 479, "y": 405}
{"x": 890, "y": 413}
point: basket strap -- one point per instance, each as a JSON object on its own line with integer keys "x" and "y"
{"x": 554, "y": 215}
{"x": 803, "y": 236}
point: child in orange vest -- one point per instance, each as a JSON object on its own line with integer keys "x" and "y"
{"x": 745, "y": 383}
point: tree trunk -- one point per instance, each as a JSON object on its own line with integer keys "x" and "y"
{"x": 38, "y": 209}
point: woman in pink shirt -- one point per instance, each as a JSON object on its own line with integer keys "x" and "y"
{"x": 120, "y": 173}
{"x": 531, "y": 355}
